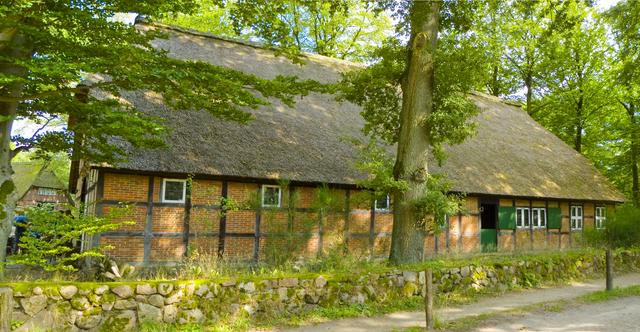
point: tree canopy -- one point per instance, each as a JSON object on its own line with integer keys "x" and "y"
{"x": 344, "y": 29}
{"x": 51, "y": 51}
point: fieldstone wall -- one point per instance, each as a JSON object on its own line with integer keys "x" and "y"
{"x": 121, "y": 306}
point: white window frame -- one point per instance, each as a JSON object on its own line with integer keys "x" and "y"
{"x": 577, "y": 219}
{"x": 542, "y": 217}
{"x": 387, "y": 209}
{"x": 601, "y": 216}
{"x": 520, "y": 221}
{"x": 184, "y": 190}
{"x": 265, "y": 186}
{"x": 44, "y": 191}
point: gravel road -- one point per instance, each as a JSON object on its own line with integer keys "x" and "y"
{"x": 621, "y": 315}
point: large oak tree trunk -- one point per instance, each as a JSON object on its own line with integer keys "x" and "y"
{"x": 12, "y": 46}
{"x": 407, "y": 243}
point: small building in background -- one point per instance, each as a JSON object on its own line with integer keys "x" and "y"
{"x": 36, "y": 184}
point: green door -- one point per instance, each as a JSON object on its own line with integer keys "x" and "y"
{"x": 488, "y": 239}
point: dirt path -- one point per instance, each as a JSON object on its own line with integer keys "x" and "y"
{"x": 621, "y": 315}
{"x": 509, "y": 301}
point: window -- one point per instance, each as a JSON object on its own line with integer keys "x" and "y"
{"x": 522, "y": 217}
{"x": 174, "y": 190}
{"x": 539, "y": 217}
{"x": 47, "y": 192}
{"x": 383, "y": 204}
{"x": 601, "y": 216}
{"x": 576, "y": 217}
{"x": 271, "y": 196}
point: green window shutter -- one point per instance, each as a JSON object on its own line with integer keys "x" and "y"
{"x": 507, "y": 217}
{"x": 555, "y": 218}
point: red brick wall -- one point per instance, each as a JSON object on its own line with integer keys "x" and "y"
{"x": 339, "y": 228}
{"x": 128, "y": 249}
{"x": 125, "y": 187}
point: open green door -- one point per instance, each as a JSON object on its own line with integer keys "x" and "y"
{"x": 488, "y": 239}
{"x": 488, "y": 226}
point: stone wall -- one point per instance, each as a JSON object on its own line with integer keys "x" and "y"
{"x": 121, "y": 306}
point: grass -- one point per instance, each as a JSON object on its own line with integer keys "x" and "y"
{"x": 468, "y": 323}
{"x": 610, "y": 295}
{"x": 334, "y": 265}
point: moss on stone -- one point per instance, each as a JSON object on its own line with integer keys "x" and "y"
{"x": 114, "y": 324}
{"x": 409, "y": 289}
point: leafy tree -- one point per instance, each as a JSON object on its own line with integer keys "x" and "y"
{"x": 48, "y": 239}
{"x": 578, "y": 95}
{"x": 47, "y": 48}
{"x": 344, "y": 29}
{"x": 620, "y": 231}
{"x": 491, "y": 28}
{"x": 518, "y": 35}
{"x": 624, "y": 20}
{"x": 211, "y": 16}
{"x": 414, "y": 94}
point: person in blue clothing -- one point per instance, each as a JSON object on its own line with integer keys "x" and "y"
{"x": 20, "y": 223}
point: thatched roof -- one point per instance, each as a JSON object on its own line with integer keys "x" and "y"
{"x": 510, "y": 155}
{"x": 33, "y": 174}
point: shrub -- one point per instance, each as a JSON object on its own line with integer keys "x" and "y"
{"x": 50, "y": 234}
{"x": 621, "y": 230}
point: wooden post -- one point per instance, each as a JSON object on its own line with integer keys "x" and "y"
{"x": 609, "y": 262}
{"x": 6, "y": 308}
{"x": 428, "y": 298}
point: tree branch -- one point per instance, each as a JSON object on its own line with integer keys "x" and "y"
{"x": 27, "y": 147}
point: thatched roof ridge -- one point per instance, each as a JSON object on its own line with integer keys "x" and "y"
{"x": 510, "y": 155}
{"x": 27, "y": 174}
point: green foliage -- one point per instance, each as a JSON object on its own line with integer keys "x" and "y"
{"x": 210, "y": 16}
{"x": 377, "y": 88}
{"x": 432, "y": 207}
{"x": 620, "y": 230}
{"x": 345, "y": 29}
{"x": 375, "y": 160}
{"x": 70, "y": 40}
{"x": 49, "y": 235}
{"x": 58, "y": 163}
{"x": 15, "y": 324}
{"x": 437, "y": 202}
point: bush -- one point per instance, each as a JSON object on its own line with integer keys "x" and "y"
{"x": 49, "y": 236}
{"x": 621, "y": 230}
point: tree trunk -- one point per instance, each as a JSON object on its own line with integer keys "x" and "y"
{"x": 579, "y": 127}
{"x": 495, "y": 82}
{"x": 528, "y": 83}
{"x": 635, "y": 188}
{"x": 609, "y": 269}
{"x": 407, "y": 242}
{"x": 8, "y": 109}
